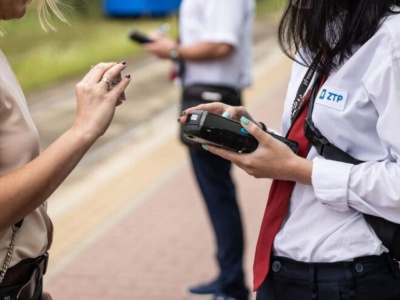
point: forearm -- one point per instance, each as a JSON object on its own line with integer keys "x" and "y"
{"x": 299, "y": 170}
{"x": 204, "y": 51}
{"x": 25, "y": 189}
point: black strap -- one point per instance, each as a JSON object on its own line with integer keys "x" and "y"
{"x": 303, "y": 88}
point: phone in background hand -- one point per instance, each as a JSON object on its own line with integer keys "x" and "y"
{"x": 139, "y": 37}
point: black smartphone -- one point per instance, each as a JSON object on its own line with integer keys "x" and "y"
{"x": 139, "y": 37}
{"x": 205, "y": 127}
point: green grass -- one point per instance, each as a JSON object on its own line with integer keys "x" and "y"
{"x": 43, "y": 58}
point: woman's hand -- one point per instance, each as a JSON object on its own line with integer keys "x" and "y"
{"x": 218, "y": 108}
{"x": 97, "y": 98}
{"x": 271, "y": 159}
{"x": 24, "y": 189}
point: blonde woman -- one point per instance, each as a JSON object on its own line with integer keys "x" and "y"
{"x": 27, "y": 177}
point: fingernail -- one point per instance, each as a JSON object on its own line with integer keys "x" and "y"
{"x": 179, "y": 120}
{"x": 122, "y": 62}
{"x": 205, "y": 147}
{"x": 226, "y": 115}
{"x": 244, "y": 120}
{"x": 128, "y": 76}
{"x": 183, "y": 113}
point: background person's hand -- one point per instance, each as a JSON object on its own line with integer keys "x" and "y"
{"x": 97, "y": 100}
{"x": 161, "y": 45}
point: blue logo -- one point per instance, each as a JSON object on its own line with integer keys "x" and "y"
{"x": 330, "y": 96}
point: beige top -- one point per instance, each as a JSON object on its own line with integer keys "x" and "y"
{"x": 19, "y": 144}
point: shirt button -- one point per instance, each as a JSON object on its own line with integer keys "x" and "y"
{"x": 276, "y": 266}
{"x": 359, "y": 267}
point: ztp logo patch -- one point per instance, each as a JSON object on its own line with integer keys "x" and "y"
{"x": 333, "y": 98}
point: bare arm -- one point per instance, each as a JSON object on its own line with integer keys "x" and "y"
{"x": 205, "y": 51}
{"x": 28, "y": 187}
{"x": 202, "y": 51}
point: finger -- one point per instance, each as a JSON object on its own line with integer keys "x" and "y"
{"x": 120, "y": 87}
{"x": 96, "y": 71}
{"x": 182, "y": 119}
{"x": 235, "y": 113}
{"x": 230, "y": 113}
{"x": 112, "y": 73}
{"x": 217, "y": 108}
{"x": 226, "y": 154}
{"x": 252, "y": 128}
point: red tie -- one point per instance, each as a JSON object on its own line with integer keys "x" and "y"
{"x": 278, "y": 202}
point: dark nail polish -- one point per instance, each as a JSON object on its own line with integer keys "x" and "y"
{"x": 122, "y": 62}
{"x": 128, "y": 76}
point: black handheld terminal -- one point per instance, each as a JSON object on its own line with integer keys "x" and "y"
{"x": 205, "y": 127}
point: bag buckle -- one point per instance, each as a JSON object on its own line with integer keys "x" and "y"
{"x": 314, "y": 136}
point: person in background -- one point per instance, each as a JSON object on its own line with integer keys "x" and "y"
{"x": 214, "y": 55}
{"x": 27, "y": 177}
{"x": 345, "y": 81}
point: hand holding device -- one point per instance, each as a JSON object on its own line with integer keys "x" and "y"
{"x": 205, "y": 127}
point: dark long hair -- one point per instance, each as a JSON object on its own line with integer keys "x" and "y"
{"x": 334, "y": 25}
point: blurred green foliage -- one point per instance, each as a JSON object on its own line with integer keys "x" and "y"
{"x": 42, "y": 58}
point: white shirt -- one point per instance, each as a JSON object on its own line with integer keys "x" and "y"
{"x": 358, "y": 110}
{"x": 219, "y": 21}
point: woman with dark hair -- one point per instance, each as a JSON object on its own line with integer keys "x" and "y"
{"x": 27, "y": 177}
{"x": 319, "y": 238}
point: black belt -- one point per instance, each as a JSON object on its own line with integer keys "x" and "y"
{"x": 335, "y": 271}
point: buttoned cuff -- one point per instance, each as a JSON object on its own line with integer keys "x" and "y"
{"x": 330, "y": 181}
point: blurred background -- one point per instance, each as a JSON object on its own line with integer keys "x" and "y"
{"x": 98, "y": 32}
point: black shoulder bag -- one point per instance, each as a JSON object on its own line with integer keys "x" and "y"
{"x": 388, "y": 232}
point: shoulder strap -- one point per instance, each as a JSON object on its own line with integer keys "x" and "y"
{"x": 10, "y": 251}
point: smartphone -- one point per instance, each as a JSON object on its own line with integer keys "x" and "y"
{"x": 139, "y": 37}
{"x": 204, "y": 127}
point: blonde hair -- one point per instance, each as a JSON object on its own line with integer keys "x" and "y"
{"x": 45, "y": 9}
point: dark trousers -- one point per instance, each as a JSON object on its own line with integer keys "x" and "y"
{"x": 218, "y": 190}
{"x": 365, "y": 278}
